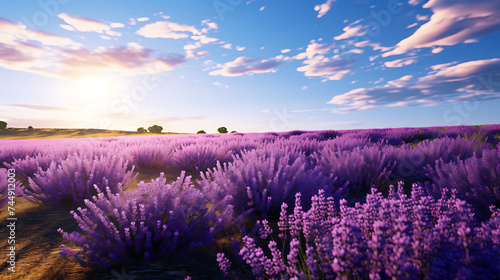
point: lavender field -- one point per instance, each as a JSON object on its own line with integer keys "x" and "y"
{"x": 406, "y": 203}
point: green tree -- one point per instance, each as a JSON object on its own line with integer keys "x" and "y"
{"x": 3, "y": 125}
{"x": 201, "y": 132}
{"x": 30, "y": 128}
{"x": 141, "y": 130}
{"x": 222, "y": 129}
{"x": 155, "y": 129}
{"x": 234, "y": 131}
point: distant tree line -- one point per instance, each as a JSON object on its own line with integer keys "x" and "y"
{"x": 152, "y": 129}
{"x": 158, "y": 129}
{"x": 221, "y": 129}
{"x": 3, "y": 125}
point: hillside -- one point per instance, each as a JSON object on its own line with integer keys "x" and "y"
{"x": 47, "y": 133}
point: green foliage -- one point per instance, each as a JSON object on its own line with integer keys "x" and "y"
{"x": 3, "y": 125}
{"x": 234, "y": 131}
{"x": 30, "y": 128}
{"x": 141, "y": 130}
{"x": 201, "y": 132}
{"x": 222, "y": 129}
{"x": 155, "y": 129}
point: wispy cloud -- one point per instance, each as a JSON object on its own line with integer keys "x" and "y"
{"x": 400, "y": 62}
{"x": 322, "y": 9}
{"x": 449, "y": 82}
{"x": 245, "y": 65}
{"x": 84, "y": 24}
{"x": 452, "y": 23}
{"x": 351, "y": 30}
{"x": 167, "y": 29}
{"x": 317, "y": 64}
{"x": 38, "y": 107}
{"x": 127, "y": 60}
{"x": 20, "y": 47}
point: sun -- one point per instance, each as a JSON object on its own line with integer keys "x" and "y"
{"x": 95, "y": 91}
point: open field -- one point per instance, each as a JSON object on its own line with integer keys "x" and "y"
{"x": 52, "y": 133}
{"x": 214, "y": 185}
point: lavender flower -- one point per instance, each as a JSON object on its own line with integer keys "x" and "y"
{"x": 157, "y": 221}
{"x": 73, "y": 179}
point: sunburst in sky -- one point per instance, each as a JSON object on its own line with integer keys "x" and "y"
{"x": 251, "y": 65}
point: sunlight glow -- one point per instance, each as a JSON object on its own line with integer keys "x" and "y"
{"x": 93, "y": 90}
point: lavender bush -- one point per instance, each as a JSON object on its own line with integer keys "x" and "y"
{"x": 4, "y": 187}
{"x": 157, "y": 221}
{"x": 199, "y": 157}
{"x": 28, "y": 166}
{"x": 398, "y": 237}
{"x": 412, "y": 162}
{"x": 12, "y": 150}
{"x": 359, "y": 169}
{"x": 476, "y": 179}
{"x": 71, "y": 180}
{"x": 151, "y": 156}
{"x": 260, "y": 182}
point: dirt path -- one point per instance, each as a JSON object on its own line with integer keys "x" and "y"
{"x": 37, "y": 242}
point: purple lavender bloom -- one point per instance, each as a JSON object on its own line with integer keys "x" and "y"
{"x": 260, "y": 182}
{"x": 476, "y": 179}
{"x": 4, "y": 187}
{"x": 200, "y": 157}
{"x": 73, "y": 179}
{"x": 399, "y": 237}
{"x": 157, "y": 221}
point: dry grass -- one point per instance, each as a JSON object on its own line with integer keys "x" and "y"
{"x": 52, "y": 133}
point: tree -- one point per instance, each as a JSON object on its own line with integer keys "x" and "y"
{"x": 201, "y": 132}
{"x": 141, "y": 130}
{"x": 155, "y": 129}
{"x": 222, "y": 129}
{"x": 234, "y": 131}
{"x": 30, "y": 128}
{"x": 3, "y": 125}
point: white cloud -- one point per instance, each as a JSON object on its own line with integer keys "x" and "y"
{"x": 422, "y": 18}
{"x": 452, "y": 23}
{"x": 437, "y": 50}
{"x": 196, "y": 54}
{"x": 244, "y": 65}
{"x": 117, "y": 25}
{"x": 143, "y": 19}
{"x": 414, "y": 2}
{"x": 262, "y": 8}
{"x": 351, "y": 30}
{"x": 67, "y": 27}
{"x": 446, "y": 83}
{"x": 400, "y": 62}
{"x": 322, "y": 9}
{"x": 204, "y": 39}
{"x": 220, "y": 84}
{"x": 84, "y": 24}
{"x": 113, "y": 33}
{"x": 167, "y": 29}
{"x": 239, "y": 48}
{"x": 285, "y": 51}
{"x": 196, "y": 45}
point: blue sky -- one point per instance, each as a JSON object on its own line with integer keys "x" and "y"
{"x": 251, "y": 66}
